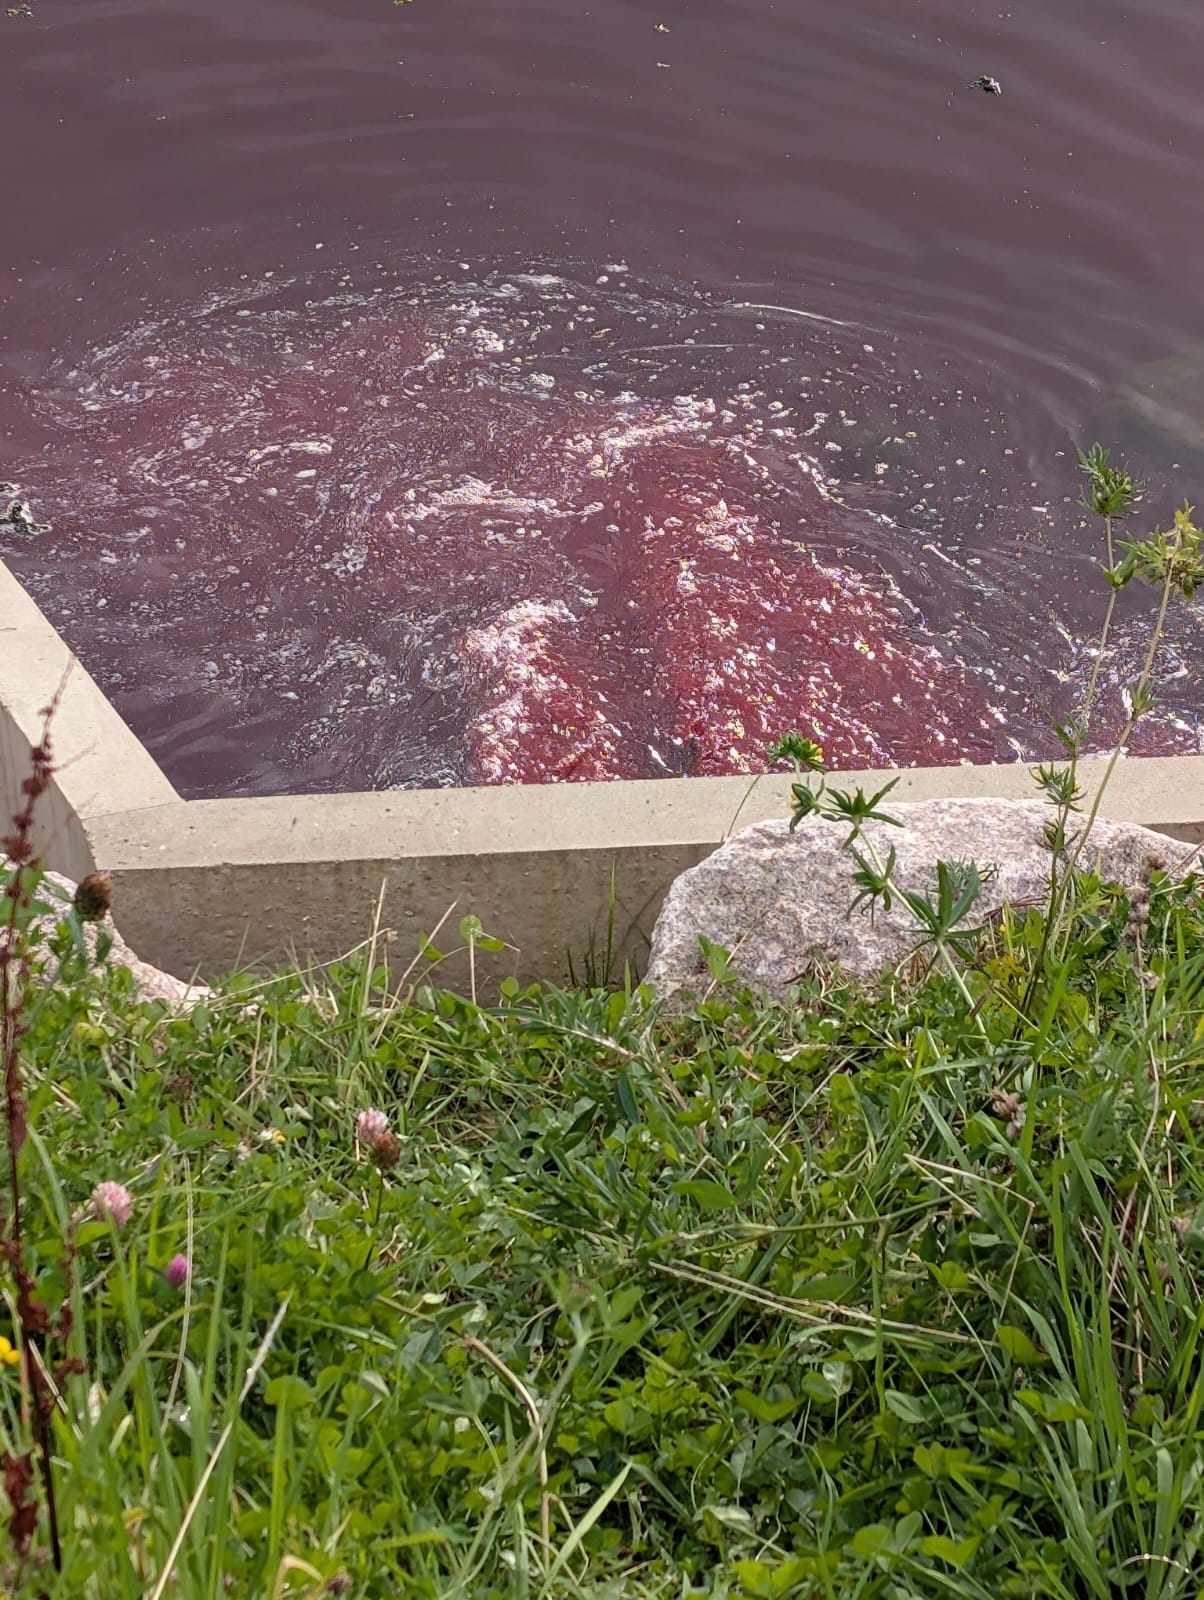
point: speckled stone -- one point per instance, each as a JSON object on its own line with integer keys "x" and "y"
{"x": 780, "y": 901}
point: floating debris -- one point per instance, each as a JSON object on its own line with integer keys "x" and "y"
{"x": 987, "y": 85}
{"x": 19, "y": 516}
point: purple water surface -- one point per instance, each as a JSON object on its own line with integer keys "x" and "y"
{"x": 462, "y": 393}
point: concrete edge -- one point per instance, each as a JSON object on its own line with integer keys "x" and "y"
{"x": 561, "y": 871}
{"x": 101, "y": 764}
{"x": 1164, "y": 792}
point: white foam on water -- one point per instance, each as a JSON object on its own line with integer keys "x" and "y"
{"x": 444, "y": 461}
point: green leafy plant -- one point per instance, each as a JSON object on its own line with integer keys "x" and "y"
{"x": 1168, "y": 560}
{"x": 563, "y": 1296}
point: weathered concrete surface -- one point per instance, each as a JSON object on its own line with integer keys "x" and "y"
{"x": 101, "y": 765}
{"x": 780, "y": 902}
{"x": 207, "y": 884}
{"x": 212, "y": 885}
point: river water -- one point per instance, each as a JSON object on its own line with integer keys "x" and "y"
{"x": 453, "y": 393}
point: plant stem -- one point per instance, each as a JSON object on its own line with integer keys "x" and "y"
{"x": 18, "y": 848}
{"x": 380, "y": 1196}
{"x": 1126, "y": 733}
{"x": 959, "y": 980}
{"x": 1105, "y": 631}
{"x": 941, "y": 948}
{"x": 1056, "y": 884}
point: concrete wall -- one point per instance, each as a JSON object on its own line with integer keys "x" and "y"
{"x": 100, "y": 765}
{"x": 206, "y": 885}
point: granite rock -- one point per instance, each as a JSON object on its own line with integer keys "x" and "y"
{"x": 780, "y": 901}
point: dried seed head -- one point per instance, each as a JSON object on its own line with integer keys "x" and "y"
{"x": 112, "y": 1202}
{"x": 386, "y": 1152}
{"x": 339, "y": 1584}
{"x": 1007, "y": 1108}
{"x": 1005, "y": 1105}
{"x": 94, "y": 897}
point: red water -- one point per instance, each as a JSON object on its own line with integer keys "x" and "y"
{"x": 455, "y": 393}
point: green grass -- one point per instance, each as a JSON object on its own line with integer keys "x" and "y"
{"x": 751, "y": 1301}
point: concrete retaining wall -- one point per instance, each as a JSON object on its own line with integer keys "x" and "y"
{"x": 558, "y": 870}
{"x": 101, "y": 765}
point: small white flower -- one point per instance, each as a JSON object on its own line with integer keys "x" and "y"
{"x": 113, "y": 1203}
{"x": 370, "y": 1126}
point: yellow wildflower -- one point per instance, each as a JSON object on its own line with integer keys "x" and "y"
{"x": 8, "y": 1355}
